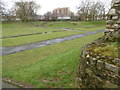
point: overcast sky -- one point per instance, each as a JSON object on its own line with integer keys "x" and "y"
{"x": 49, "y": 5}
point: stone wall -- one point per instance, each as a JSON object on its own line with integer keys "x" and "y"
{"x": 95, "y": 72}
{"x": 112, "y": 32}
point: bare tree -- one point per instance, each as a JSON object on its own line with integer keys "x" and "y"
{"x": 83, "y": 9}
{"x": 26, "y": 10}
{"x": 97, "y": 10}
{"x": 72, "y": 16}
{"x": 48, "y": 15}
{"x": 89, "y": 10}
{"x": 2, "y": 8}
{"x": 5, "y": 13}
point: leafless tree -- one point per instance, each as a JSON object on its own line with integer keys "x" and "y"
{"x": 2, "y": 8}
{"x": 89, "y": 10}
{"x": 26, "y": 10}
{"x": 97, "y": 10}
{"x": 72, "y": 16}
{"x": 83, "y": 9}
{"x": 48, "y": 15}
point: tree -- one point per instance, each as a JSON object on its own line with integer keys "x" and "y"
{"x": 97, "y": 10}
{"x": 89, "y": 10}
{"x": 2, "y": 8}
{"x": 83, "y": 9}
{"x": 26, "y": 10}
{"x": 48, "y": 15}
{"x": 5, "y": 13}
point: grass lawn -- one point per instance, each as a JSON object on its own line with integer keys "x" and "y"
{"x": 56, "y": 24}
{"x": 69, "y": 24}
{"x": 89, "y": 29}
{"x": 51, "y": 66}
{"x": 11, "y": 29}
{"x": 18, "y": 28}
{"x": 35, "y": 38}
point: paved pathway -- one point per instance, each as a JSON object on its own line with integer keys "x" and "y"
{"x": 7, "y": 85}
{"x": 32, "y": 34}
{"x": 61, "y": 29}
{"x": 19, "y": 48}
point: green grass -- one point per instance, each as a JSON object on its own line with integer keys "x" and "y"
{"x": 69, "y": 24}
{"x": 89, "y": 29}
{"x": 18, "y": 28}
{"x": 91, "y": 23}
{"x": 57, "y": 24}
{"x": 17, "y": 24}
{"x": 51, "y": 66}
{"x": 10, "y": 29}
{"x": 35, "y": 38}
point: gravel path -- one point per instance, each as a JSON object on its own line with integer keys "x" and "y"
{"x": 19, "y": 48}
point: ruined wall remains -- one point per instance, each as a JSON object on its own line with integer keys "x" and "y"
{"x": 112, "y": 32}
{"x": 96, "y": 70}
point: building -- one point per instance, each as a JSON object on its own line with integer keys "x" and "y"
{"x": 60, "y": 13}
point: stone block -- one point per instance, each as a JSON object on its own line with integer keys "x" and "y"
{"x": 115, "y": 1}
{"x": 116, "y": 26}
{"x": 114, "y": 79}
{"x": 112, "y": 12}
{"x": 116, "y": 34}
{"x": 89, "y": 72}
{"x": 118, "y": 22}
{"x": 117, "y": 61}
{"x": 112, "y": 68}
{"x": 116, "y": 5}
{"x": 108, "y": 84}
{"x": 115, "y": 17}
{"x": 109, "y": 22}
{"x": 109, "y": 26}
{"x": 109, "y": 30}
{"x": 100, "y": 65}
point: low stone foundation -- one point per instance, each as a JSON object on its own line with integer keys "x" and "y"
{"x": 95, "y": 71}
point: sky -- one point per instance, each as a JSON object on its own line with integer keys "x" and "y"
{"x": 49, "y": 5}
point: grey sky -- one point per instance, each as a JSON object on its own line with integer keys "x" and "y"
{"x": 49, "y": 5}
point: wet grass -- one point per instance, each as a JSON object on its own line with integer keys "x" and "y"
{"x": 55, "y": 24}
{"x": 11, "y": 29}
{"x": 89, "y": 29}
{"x": 35, "y": 38}
{"x": 51, "y": 66}
{"x": 70, "y": 24}
{"x": 18, "y": 28}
